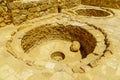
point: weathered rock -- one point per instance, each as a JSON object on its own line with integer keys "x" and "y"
{"x": 75, "y": 46}
{"x": 44, "y": 7}
{"x": 0, "y": 1}
{"x": 2, "y": 24}
{"x": 94, "y": 63}
{"x": 34, "y": 9}
{"x": 19, "y": 19}
{"x": 1, "y": 9}
{"x": 107, "y": 53}
{"x": 52, "y": 10}
{"x": 78, "y": 69}
{"x": 6, "y": 17}
{"x": 12, "y": 6}
{"x": 1, "y": 19}
{"x": 25, "y": 12}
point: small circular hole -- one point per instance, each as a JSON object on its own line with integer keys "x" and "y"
{"x": 58, "y": 56}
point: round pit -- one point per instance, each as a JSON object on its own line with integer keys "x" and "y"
{"x": 68, "y": 33}
{"x": 58, "y": 56}
{"x": 93, "y": 12}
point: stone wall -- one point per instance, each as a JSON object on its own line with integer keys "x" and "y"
{"x": 24, "y": 11}
{"x": 70, "y": 3}
{"x": 103, "y": 3}
{"x": 18, "y": 11}
{"x": 5, "y": 17}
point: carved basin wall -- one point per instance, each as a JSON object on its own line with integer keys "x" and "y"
{"x": 38, "y": 45}
{"x": 92, "y": 12}
{"x": 68, "y": 33}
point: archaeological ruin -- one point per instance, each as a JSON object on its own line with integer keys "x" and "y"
{"x": 59, "y": 40}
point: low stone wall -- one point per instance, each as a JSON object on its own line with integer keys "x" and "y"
{"x": 5, "y": 17}
{"x": 26, "y": 11}
{"x": 103, "y": 3}
{"x": 66, "y": 4}
{"x": 18, "y": 11}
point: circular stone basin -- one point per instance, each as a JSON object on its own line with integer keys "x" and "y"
{"x": 93, "y": 12}
{"x": 58, "y": 56}
{"x": 58, "y": 39}
{"x": 50, "y": 44}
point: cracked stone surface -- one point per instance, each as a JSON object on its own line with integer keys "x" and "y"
{"x": 41, "y": 48}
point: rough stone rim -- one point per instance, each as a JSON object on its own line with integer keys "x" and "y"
{"x": 86, "y": 61}
{"x": 73, "y": 11}
{"x": 56, "y": 19}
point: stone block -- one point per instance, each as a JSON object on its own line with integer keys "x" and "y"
{"x": 2, "y": 24}
{"x": 1, "y": 19}
{"x": 34, "y": 9}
